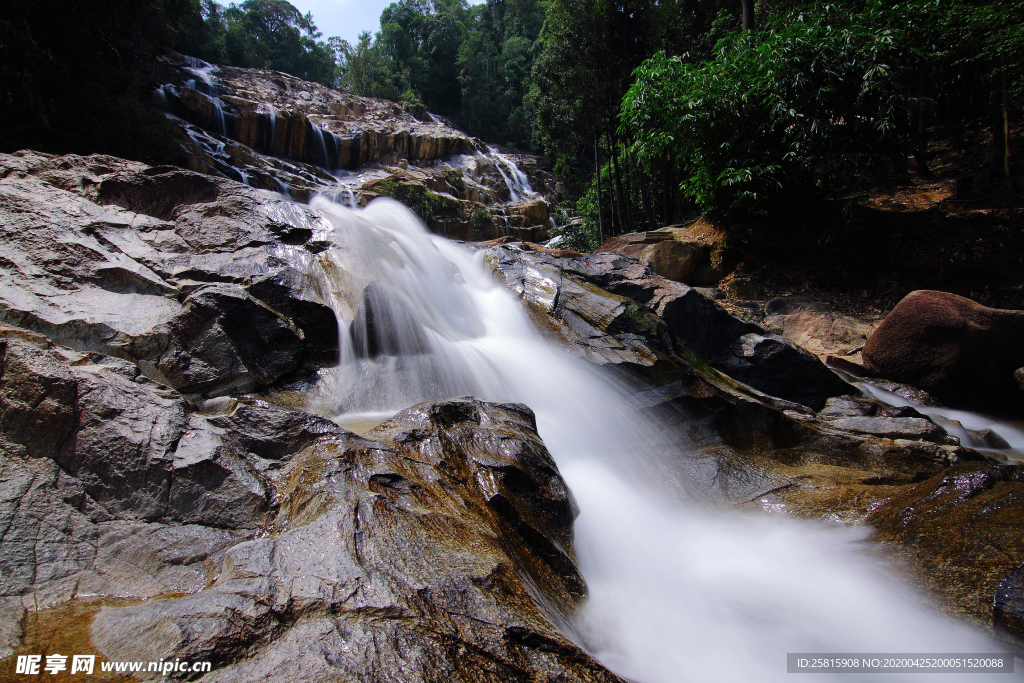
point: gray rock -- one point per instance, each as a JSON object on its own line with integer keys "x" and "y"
{"x": 848, "y": 407}
{"x": 892, "y": 427}
{"x": 597, "y": 325}
{"x": 1019, "y": 376}
{"x": 225, "y": 341}
{"x": 434, "y": 549}
{"x": 103, "y": 255}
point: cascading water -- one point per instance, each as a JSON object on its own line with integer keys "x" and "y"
{"x": 518, "y": 184}
{"x": 678, "y": 592}
{"x": 955, "y": 422}
{"x": 272, "y": 115}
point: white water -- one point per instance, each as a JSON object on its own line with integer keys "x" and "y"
{"x": 677, "y": 592}
{"x": 518, "y": 184}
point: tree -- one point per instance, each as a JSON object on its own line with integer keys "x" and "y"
{"x": 73, "y": 75}
{"x": 273, "y": 34}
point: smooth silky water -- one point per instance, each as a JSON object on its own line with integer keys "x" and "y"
{"x": 677, "y": 591}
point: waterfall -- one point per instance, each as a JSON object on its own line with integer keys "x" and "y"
{"x": 321, "y": 145}
{"x": 518, "y": 184}
{"x": 272, "y": 113}
{"x": 203, "y": 71}
{"x": 677, "y": 592}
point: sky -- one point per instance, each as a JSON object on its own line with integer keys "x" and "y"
{"x": 344, "y": 18}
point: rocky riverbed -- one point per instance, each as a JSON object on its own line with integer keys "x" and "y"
{"x": 160, "y": 499}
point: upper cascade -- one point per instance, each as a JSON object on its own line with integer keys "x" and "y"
{"x": 277, "y": 132}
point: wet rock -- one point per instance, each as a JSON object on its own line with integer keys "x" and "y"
{"x": 960, "y": 351}
{"x": 439, "y": 547}
{"x": 1008, "y": 609}
{"x": 225, "y": 341}
{"x": 733, "y": 346}
{"x": 900, "y": 411}
{"x": 597, "y": 325}
{"x": 847, "y": 407}
{"x": 774, "y": 365}
{"x": 989, "y": 438}
{"x": 960, "y": 530}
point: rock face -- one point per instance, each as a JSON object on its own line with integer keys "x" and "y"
{"x": 186, "y": 276}
{"x": 279, "y": 133}
{"x": 415, "y": 552}
{"x": 614, "y": 309}
{"x": 447, "y": 532}
{"x": 961, "y": 352}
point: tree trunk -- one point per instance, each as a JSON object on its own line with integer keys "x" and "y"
{"x": 921, "y": 145}
{"x": 748, "y": 15}
{"x": 597, "y": 176}
{"x": 1007, "y": 176}
{"x": 615, "y": 206}
{"x": 666, "y": 194}
{"x": 625, "y": 221}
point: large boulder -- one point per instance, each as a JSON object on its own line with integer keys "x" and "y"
{"x": 963, "y": 353}
{"x": 438, "y": 547}
{"x": 667, "y": 256}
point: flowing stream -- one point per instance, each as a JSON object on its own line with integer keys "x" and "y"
{"x": 678, "y": 591}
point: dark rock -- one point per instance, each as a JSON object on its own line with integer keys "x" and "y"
{"x": 730, "y": 345}
{"x": 776, "y": 366}
{"x": 961, "y": 530}
{"x": 1018, "y": 375}
{"x": 272, "y": 432}
{"x": 848, "y": 407}
{"x": 427, "y": 543}
{"x": 901, "y": 411}
{"x": 293, "y": 294}
{"x": 1008, "y": 608}
{"x": 226, "y": 341}
{"x": 383, "y": 326}
{"x": 960, "y": 351}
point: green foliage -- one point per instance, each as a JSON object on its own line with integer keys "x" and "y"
{"x": 481, "y": 219}
{"x": 819, "y": 101}
{"x": 263, "y": 34}
{"x": 589, "y": 49}
{"x": 577, "y": 223}
{"x": 471, "y": 64}
{"x": 73, "y": 75}
{"x": 426, "y": 204}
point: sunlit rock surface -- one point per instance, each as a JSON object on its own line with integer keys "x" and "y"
{"x": 189, "y": 277}
{"x": 274, "y": 131}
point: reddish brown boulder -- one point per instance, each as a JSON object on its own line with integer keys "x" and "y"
{"x": 960, "y": 351}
